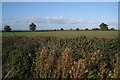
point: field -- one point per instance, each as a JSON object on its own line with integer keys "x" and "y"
{"x": 66, "y": 34}
{"x": 61, "y": 54}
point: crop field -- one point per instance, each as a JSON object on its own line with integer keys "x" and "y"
{"x": 60, "y": 40}
{"x": 66, "y": 34}
{"x": 61, "y": 54}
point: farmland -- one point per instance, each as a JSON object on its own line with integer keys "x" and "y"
{"x": 61, "y": 54}
{"x": 65, "y": 34}
{"x": 60, "y": 40}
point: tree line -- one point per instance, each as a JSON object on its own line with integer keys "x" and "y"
{"x": 32, "y": 27}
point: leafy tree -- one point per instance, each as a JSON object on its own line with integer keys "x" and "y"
{"x": 54, "y": 30}
{"x": 103, "y": 27}
{"x": 61, "y": 29}
{"x": 112, "y": 29}
{"x": 77, "y": 29}
{"x": 70, "y": 29}
{"x": 32, "y": 26}
{"x": 86, "y": 29}
{"x": 95, "y": 29}
{"x": 7, "y": 28}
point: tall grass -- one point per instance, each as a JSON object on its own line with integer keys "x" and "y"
{"x": 48, "y": 57}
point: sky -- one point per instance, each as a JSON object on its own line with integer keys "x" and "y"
{"x": 60, "y": 0}
{"x": 56, "y": 15}
{"x": 0, "y": 15}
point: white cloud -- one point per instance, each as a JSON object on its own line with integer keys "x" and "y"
{"x": 56, "y": 22}
{"x": 59, "y": 20}
{"x": 59, "y": 17}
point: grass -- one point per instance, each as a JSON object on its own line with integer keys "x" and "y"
{"x": 65, "y": 34}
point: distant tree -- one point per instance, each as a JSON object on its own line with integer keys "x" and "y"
{"x": 86, "y": 29}
{"x": 95, "y": 29}
{"x": 7, "y": 28}
{"x": 77, "y": 29}
{"x": 70, "y": 29}
{"x": 112, "y": 29}
{"x": 54, "y": 30}
{"x": 103, "y": 27}
{"x": 32, "y": 27}
{"x": 61, "y": 29}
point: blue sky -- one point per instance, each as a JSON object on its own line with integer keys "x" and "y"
{"x": 60, "y": 0}
{"x": 0, "y": 15}
{"x": 54, "y": 15}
